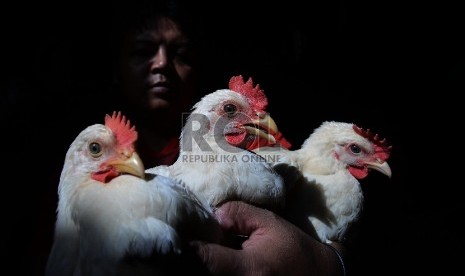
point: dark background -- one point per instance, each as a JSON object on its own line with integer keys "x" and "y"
{"x": 395, "y": 67}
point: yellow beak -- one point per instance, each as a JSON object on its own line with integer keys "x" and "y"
{"x": 381, "y": 167}
{"x": 263, "y": 127}
{"x": 131, "y": 164}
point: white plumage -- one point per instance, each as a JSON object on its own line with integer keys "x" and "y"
{"x": 110, "y": 212}
{"x": 214, "y": 161}
{"x": 326, "y": 196}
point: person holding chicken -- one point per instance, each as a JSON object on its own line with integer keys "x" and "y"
{"x": 156, "y": 69}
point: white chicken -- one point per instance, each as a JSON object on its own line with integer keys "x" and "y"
{"x": 112, "y": 218}
{"x": 325, "y": 196}
{"x": 213, "y": 159}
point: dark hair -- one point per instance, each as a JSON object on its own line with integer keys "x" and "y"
{"x": 139, "y": 15}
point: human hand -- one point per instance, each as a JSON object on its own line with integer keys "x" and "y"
{"x": 273, "y": 247}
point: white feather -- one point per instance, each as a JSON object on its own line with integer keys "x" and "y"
{"x": 216, "y": 170}
{"x": 325, "y": 198}
{"x": 98, "y": 225}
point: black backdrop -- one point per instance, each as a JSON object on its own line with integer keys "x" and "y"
{"x": 394, "y": 67}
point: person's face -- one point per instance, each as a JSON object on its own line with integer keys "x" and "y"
{"x": 156, "y": 70}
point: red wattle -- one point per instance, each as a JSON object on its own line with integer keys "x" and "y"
{"x": 105, "y": 176}
{"x": 358, "y": 172}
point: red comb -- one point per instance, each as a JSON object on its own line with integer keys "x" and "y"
{"x": 382, "y": 149}
{"x": 255, "y": 95}
{"x": 125, "y": 134}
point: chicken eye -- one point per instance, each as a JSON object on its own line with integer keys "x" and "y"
{"x": 230, "y": 109}
{"x": 95, "y": 149}
{"x": 355, "y": 149}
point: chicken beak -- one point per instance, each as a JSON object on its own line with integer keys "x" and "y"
{"x": 131, "y": 164}
{"x": 264, "y": 127}
{"x": 381, "y": 167}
